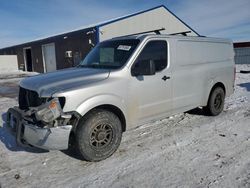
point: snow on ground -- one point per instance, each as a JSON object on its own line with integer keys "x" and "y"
{"x": 187, "y": 150}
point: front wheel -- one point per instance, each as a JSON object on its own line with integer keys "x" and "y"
{"x": 98, "y": 135}
{"x": 216, "y": 100}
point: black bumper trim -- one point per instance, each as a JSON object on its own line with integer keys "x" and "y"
{"x": 18, "y": 125}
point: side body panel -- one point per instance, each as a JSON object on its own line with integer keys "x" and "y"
{"x": 199, "y": 65}
{"x": 194, "y": 66}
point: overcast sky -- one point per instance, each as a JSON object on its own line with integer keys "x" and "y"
{"x": 25, "y": 20}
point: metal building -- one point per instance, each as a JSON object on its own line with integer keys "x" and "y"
{"x": 67, "y": 49}
{"x": 242, "y": 52}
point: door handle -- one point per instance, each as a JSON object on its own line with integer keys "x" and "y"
{"x": 165, "y": 78}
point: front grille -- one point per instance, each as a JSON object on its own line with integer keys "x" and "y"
{"x": 28, "y": 98}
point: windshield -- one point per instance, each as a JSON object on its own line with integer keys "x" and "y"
{"x": 110, "y": 54}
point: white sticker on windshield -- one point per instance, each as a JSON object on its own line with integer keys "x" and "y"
{"x": 124, "y": 47}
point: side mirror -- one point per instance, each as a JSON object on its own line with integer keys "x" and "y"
{"x": 144, "y": 67}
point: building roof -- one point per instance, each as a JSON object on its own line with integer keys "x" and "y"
{"x": 241, "y": 44}
{"x": 100, "y": 24}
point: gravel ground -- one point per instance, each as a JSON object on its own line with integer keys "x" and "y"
{"x": 186, "y": 150}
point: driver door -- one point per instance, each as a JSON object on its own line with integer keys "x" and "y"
{"x": 153, "y": 93}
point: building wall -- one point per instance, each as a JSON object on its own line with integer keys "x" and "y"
{"x": 242, "y": 52}
{"x": 242, "y": 55}
{"x": 77, "y": 42}
{"x": 147, "y": 21}
{"x": 20, "y": 59}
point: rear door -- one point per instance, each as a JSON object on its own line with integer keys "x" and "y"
{"x": 154, "y": 92}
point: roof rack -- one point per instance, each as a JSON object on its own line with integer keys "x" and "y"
{"x": 156, "y": 31}
{"x": 184, "y": 33}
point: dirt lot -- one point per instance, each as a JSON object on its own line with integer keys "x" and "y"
{"x": 187, "y": 150}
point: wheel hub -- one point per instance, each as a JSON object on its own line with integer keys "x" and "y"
{"x": 218, "y": 101}
{"x": 101, "y": 136}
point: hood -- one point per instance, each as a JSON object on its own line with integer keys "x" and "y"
{"x": 48, "y": 84}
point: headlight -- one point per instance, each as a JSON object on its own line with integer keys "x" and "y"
{"x": 49, "y": 111}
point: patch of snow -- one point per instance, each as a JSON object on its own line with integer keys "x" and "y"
{"x": 186, "y": 150}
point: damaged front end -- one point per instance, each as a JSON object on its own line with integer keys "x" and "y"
{"x": 45, "y": 126}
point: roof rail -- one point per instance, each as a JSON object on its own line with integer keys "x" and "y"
{"x": 184, "y": 33}
{"x": 156, "y": 31}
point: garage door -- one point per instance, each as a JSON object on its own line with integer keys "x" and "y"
{"x": 49, "y": 57}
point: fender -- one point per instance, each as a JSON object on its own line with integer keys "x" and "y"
{"x": 211, "y": 83}
{"x": 103, "y": 99}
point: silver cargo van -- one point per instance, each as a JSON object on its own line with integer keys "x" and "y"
{"x": 122, "y": 82}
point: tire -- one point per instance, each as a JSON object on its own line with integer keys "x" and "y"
{"x": 216, "y": 101}
{"x": 98, "y": 135}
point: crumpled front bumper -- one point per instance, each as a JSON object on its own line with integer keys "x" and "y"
{"x": 55, "y": 138}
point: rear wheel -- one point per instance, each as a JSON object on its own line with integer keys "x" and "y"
{"x": 216, "y": 101}
{"x": 98, "y": 135}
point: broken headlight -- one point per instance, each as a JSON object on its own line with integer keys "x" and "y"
{"x": 49, "y": 112}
